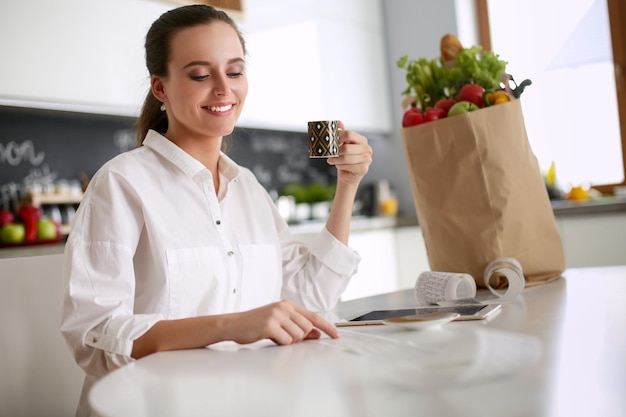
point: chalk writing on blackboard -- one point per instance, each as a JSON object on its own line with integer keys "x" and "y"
{"x": 14, "y": 153}
{"x": 41, "y": 175}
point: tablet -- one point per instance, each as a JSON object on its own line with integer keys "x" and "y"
{"x": 467, "y": 312}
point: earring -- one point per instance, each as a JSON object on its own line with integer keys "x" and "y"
{"x": 162, "y": 107}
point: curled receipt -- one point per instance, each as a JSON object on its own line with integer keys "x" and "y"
{"x": 449, "y": 288}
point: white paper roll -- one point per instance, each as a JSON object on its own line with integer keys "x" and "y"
{"x": 512, "y": 270}
{"x": 436, "y": 287}
{"x": 433, "y": 286}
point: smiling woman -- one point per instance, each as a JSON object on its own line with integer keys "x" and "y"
{"x": 175, "y": 245}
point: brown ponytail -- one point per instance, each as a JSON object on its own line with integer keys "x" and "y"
{"x": 158, "y": 40}
{"x": 151, "y": 118}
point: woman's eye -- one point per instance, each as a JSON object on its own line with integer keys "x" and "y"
{"x": 199, "y": 77}
{"x": 235, "y": 74}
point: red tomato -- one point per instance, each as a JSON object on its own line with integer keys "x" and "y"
{"x": 445, "y": 104}
{"x": 472, "y": 93}
{"x": 412, "y": 117}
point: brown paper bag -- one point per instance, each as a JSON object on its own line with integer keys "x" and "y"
{"x": 479, "y": 195}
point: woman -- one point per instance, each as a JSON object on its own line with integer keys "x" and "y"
{"x": 174, "y": 245}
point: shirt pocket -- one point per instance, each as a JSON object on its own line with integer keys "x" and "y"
{"x": 194, "y": 281}
{"x": 261, "y": 276}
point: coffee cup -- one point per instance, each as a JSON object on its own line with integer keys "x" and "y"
{"x": 324, "y": 138}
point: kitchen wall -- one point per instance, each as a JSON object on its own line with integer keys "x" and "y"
{"x": 46, "y": 145}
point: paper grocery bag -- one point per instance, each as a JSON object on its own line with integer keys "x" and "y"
{"x": 479, "y": 195}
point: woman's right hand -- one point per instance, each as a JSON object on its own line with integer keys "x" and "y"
{"x": 282, "y": 322}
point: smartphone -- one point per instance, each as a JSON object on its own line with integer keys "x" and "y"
{"x": 467, "y": 312}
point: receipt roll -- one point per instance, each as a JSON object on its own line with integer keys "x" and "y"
{"x": 434, "y": 286}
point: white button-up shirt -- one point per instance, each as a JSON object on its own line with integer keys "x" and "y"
{"x": 152, "y": 240}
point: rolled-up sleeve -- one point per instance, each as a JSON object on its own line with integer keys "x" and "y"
{"x": 98, "y": 321}
{"x": 316, "y": 276}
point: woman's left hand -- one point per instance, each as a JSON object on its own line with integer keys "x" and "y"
{"x": 355, "y": 157}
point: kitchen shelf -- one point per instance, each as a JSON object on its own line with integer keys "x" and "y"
{"x": 40, "y": 199}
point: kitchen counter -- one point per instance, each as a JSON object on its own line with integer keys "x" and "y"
{"x": 591, "y": 206}
{"x": 528, "y": 360}
{"x": 34, "y": 250}
{"x": 363, "y": 223}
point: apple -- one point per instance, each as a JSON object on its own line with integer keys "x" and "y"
{"x": 412, "y": 117}
{"x": 445, "y": 104}
{"x": 6, "y": 217}
{"x": 433, "y": 113}
{"x": 462, "y": 107}
{"x": 46, "y": 229}
{"x": 13, "y": 233}
{"x": 473, "y": 93}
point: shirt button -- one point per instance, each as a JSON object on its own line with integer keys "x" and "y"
{"x": 234, "y": 290}
{"x": 218, "y": 222}
{"x": 230, "y": 253}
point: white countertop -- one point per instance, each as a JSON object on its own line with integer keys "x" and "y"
{"x": 559, "y": 350}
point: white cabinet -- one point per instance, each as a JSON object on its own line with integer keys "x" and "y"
{"x": 378, "y": 270}
{"x": 593, "y": 239}
{"x": 38, "y": 374}
{"x": 76, "y": 54}
{"x": 411, "y": 255}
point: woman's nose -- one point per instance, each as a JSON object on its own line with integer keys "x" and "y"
{"x": 220, "y": 86}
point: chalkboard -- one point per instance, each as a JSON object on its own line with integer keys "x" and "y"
{"x": 51, "y": 145}
{"x": 278, "y": 158}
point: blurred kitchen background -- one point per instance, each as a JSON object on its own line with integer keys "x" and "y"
{"x": 72, "y": 86}
{"x": 73, "y": 77}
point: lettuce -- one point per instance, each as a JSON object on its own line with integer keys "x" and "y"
{"x": 431, "y": 80}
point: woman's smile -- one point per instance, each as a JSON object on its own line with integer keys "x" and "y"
{"x": 220, "y": 109}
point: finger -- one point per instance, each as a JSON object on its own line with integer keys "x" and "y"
{"x": 355, "y": 159}
{"x": 281, "y": 337}
{"x": 297, "y": 331}
{"x": 320, "y": 323}
{"x": 313, "y": 334}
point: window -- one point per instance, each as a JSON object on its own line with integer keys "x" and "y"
{"x": 575, "y": 111}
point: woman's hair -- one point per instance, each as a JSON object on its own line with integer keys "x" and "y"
{"x": 158, "y": 48}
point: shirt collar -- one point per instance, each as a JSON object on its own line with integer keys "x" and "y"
{"x": 188, "y": 164}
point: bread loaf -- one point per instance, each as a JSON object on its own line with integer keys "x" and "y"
{"x": 450, "y": 47}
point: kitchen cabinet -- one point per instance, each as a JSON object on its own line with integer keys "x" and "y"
{"x": 411, "y": 255}
{"x": 378, "y": 270}
{"x": 75, "y": 54}
{"x": 593, "y": 239}
{"x": 307, "y": 60}
{"x": 38, "y": 374}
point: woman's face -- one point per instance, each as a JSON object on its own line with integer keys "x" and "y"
{"x": 206, "y": 86}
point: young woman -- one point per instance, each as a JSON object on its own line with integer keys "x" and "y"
{"x": 175, "y": 246}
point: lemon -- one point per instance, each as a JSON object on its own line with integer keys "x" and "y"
{"x": 578, "y": 193}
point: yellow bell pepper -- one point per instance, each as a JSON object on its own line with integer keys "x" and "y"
{"x": 497, "y": 97}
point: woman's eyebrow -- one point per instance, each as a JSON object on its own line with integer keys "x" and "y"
{"x": 208, "y": 64}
